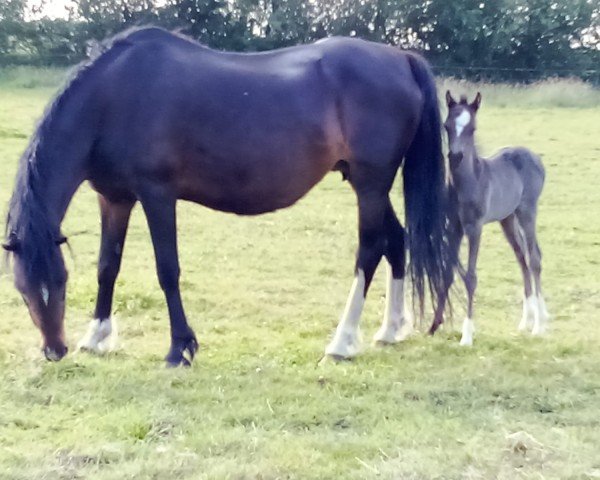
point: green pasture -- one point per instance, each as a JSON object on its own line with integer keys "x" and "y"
{"x": 264, "y": 294}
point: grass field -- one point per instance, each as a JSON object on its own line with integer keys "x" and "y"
{"x": 264, "y": 295}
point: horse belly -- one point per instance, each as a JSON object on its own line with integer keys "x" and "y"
{"x": 503, "y": 200}
{"x": 250, "y": 168}
{"x": 252, "y": 188}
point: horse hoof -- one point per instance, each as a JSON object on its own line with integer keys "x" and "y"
{"x": 101, "y": 337}
{"x": 538, "y": 331}
{"x": 342, "y": 352}
{"x": 332, "y": 358}
{"x": 434, "y": 328}
{"x": 182, "y": 353}
{"x": 383, "y": 339}
{"x": 184, "y": 362}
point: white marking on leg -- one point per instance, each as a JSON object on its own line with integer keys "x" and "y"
{"x": 346, "y": 342}
{"x": 461, "y": 122}
{"x": 529, "y": 308}
{"x": 45, "y": 294}
{"x": 543, "y": 310}
{"x": 394, "y": 328}
{"x": 100, "y": 337}
{"x": 539, "y": 325}
{"x": 468, "y": 329}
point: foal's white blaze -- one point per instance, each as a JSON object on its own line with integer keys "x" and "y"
{"x": 392, "y": 330}
{"x": 468, "y": 329}
{"x": 346, "y": 342}
{"x": 461, "y": 122}
{"x": 45, "y": 294}
{"x": 100, "y": 337}
{"x": 530, "y": 307}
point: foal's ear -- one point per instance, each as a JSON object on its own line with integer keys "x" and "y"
{"x": 449, "y": 100}
{"x": 476, "y": 102}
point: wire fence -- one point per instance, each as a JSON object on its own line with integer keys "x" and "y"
{"x": 471, "y": 72}
{"x": 515, "y": 74}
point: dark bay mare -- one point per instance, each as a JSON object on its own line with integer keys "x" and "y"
{"x": 156, "y": 117}
{"x": 504, "y": 188}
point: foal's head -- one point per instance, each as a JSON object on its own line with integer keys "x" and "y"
{"x": 460, "y": 124}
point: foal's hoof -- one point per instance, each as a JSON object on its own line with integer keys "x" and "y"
{"x": 182, "y": 352}
{"x": 434, "y": 327}
{"x": 538, "y": 330}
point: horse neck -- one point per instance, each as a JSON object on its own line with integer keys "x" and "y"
{"x": 468, "y": 168}
{"x": 48, "y": 178}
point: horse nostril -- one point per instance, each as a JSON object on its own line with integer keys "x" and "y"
{"x": 55, "y": 354}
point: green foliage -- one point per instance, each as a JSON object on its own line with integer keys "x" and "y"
{"x": 500, "y": 40}
{"x": 518, "y": 35}
{"x": 11, "y": 24}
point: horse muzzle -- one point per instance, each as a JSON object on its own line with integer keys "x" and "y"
{"x": 54, "y": 354}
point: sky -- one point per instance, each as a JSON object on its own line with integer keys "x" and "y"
{"x": 52, "y": 8}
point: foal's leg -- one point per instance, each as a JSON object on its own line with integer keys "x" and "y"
{"x": 509, "y": 226}
{"x": 474, "y": 237}
{"x": 114, "y": 218}
{"x": 371, "y": 210}
{"x": 161, "y": 216}
{"x": 392, "y": 330}
{"x": 527, "y": 222}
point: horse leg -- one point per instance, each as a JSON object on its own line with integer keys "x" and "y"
{"x": 101, "y": 333}
{"x": 161, "y": 217}
{"x": 371, "y": 211}
{"x": 474, "y": 237}
{"x": 394, "y": 317}
{"x": 509, "y": 227}
{"x": 540, "y": 313}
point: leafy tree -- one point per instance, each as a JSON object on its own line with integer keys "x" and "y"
{"x": 497, "y": 39}
{"x": 12, "y": 14}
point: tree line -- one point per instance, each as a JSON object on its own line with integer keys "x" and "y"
{"x": 514, "y": 40}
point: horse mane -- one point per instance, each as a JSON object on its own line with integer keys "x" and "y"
{"x": 29, "y": 231}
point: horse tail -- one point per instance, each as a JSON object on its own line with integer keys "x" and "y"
{"x": 425, "y": 194}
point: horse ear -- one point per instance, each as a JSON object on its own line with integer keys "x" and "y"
{"x": 476, "y": 102}
{"x": 449, "y": 100}
{"x": 60, "y": 240}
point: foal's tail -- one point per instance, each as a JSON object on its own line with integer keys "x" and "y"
{"x": 425, "y": 194}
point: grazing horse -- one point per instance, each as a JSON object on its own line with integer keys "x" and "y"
{"x": 504, "y": 188}
{"x": 156, "y": 117}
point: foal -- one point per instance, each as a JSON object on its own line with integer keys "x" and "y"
{"x": 504, "y": 188}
